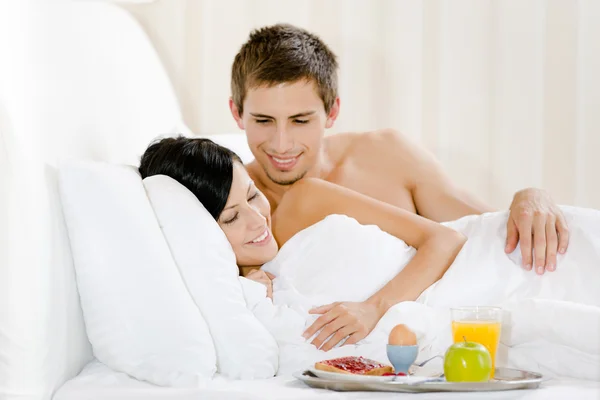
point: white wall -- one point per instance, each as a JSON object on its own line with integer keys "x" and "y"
{"x": 505, "y": 92}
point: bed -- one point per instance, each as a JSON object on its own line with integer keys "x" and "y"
{"x": 97, "y": 382}
{"x": 101, "y": 94}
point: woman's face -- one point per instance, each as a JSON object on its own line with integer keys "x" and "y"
{"x": 246, "y": 221}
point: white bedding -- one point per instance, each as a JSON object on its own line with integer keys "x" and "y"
{"x": 551, "y": 324}
{"x": 550, "y": 335}
{"x": 97, "y": 382}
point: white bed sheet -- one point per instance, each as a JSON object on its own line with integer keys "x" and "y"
{"x": 98, "y": 382}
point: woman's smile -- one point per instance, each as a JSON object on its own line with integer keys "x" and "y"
{"x": 262, "y": 239}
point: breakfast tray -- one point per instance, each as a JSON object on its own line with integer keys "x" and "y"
{"x": 504, "y": 379}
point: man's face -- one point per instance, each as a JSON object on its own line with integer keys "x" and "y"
{"x": 285, "y": 125}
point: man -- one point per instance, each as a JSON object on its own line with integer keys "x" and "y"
{"x": 284, "y": 95}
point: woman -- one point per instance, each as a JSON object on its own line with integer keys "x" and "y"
{"x": 217, "y": 177}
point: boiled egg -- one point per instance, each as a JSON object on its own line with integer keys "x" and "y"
{"x": 401, "y": 335}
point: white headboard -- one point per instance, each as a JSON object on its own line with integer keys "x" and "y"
{"x": 89, "y": 85}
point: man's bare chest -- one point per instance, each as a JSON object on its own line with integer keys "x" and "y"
{"x": 375, "y": 183}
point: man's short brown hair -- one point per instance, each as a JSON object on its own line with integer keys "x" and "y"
{"x": 284, "y": 53}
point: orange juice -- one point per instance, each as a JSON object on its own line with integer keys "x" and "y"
{"x": 486, "y": 333}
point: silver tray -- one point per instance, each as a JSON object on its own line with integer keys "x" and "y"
{"x": 504, "y": 379}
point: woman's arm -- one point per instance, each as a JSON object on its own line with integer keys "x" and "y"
{"x": 311, "y": 200}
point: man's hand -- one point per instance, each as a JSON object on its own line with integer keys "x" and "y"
{"x": 535, "y": 220}
{"x": 341, "y": 320}
{"x": 263, "y": 277}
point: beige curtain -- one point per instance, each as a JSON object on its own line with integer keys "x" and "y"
{"x": 505, "y": 92}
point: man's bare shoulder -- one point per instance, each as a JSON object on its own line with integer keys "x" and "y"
{"x": 377, "y": 164}
{"x": 386, "y": 146}
{"x": 337, "y": 145}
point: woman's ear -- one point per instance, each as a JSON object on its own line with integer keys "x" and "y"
{"x": 236, "y": 114}
{"x": 333, "y": 113}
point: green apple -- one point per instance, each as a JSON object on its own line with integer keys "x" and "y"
{"x": 467, "y": 362}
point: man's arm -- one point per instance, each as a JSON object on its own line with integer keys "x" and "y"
{"x": 434, "y": 194}
{"x": 534, "y": 219}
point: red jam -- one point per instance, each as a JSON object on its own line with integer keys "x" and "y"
{"x": 354, "y": 365}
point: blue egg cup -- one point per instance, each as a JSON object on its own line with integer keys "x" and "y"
{"x": 402, "y": 357}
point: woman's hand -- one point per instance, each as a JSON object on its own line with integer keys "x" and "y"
{"x": 352, "y": 319}
{"x": 263, "y": 277}
{"x": 310, "y": 200}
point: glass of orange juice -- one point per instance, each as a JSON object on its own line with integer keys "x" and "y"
{"x": 480, "y": 325}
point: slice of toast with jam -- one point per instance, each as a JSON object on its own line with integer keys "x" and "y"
{"x": 354, "y": 365}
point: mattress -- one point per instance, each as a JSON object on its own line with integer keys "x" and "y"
{"x": 98, "y": 382}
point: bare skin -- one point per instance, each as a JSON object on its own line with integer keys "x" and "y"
{"x": 285, "y": 127}
{"x": 254, "y": 235}
{"x": 390, "y": 167}
{"x": 310, "y": 200}
{"x": 386, "y": 166}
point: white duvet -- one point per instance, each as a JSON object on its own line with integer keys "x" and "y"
{"x": 551, "y": 322}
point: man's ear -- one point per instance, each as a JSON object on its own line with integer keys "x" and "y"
{"x": 333, "y": 113}
{"x": 236, "y": 114}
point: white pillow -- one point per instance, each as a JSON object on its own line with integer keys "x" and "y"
{"x": 237, "y": 142}
{"x": 245, "y": 348}
{"x": 138, "y": 314}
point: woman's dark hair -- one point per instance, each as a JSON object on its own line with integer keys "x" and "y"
{"x": 201, "y": 165}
